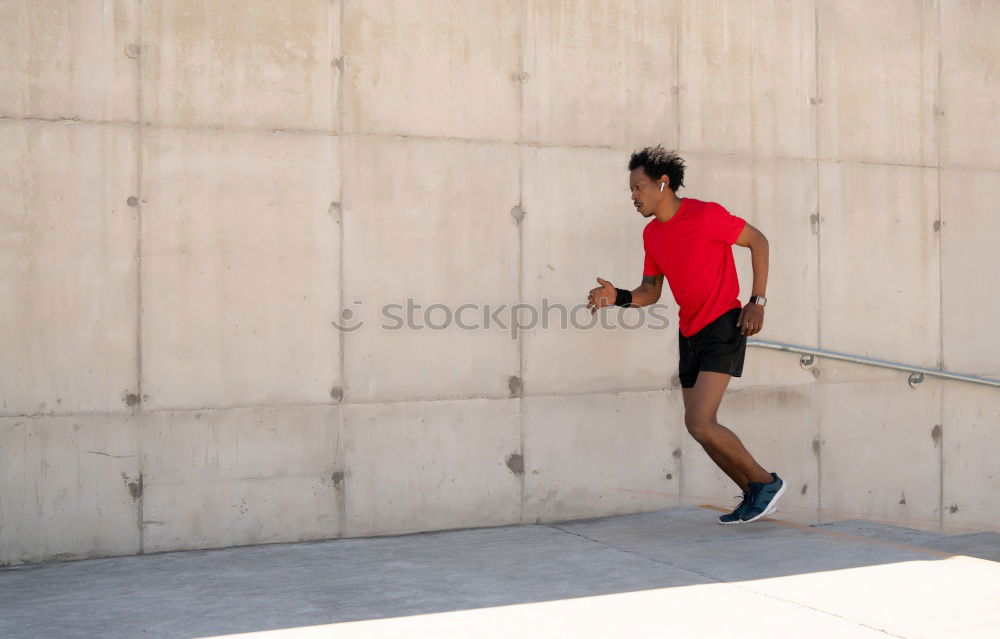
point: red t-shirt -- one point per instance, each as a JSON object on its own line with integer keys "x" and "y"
{"x": 693, "y": 250}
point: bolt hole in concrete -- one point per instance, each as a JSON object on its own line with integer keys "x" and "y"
{"x": 337, "y": 478}
{"x": 515, "y": 462}
{"x": 514, "y": 384}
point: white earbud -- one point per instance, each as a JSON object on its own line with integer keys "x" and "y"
{"x": 661, "y": 187}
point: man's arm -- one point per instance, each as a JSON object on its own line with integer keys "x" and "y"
{"x": 648, "y": 292}
{"x": 752, "y": 317}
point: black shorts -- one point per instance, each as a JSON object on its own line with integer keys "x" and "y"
{"x": 719, "y": 348}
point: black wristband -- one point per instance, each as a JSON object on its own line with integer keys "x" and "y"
{"x": 624, "y": 298}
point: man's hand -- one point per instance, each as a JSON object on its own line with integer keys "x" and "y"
{"x": 603, "y": 295}
{"x": 751, "y": 319}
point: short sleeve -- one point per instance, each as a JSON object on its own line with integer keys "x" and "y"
{"x": 650, "y": 267}
{"x": 723, "y": 226}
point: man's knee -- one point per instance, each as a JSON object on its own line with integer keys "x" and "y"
{"x": 698, "y": 424}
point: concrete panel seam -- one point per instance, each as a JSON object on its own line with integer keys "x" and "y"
{"x": 140, "y": 176}
{"x": 125, "y": 412}
{"x": 337, "y": 457}
{"x": 340, "y": 196}
{"x": 520, "y": 258}
{"x": 160, "y": 126}
{"x": 66, "y": 120}
{"x": 170, "y": 126}
{"x": 388, "y": 402}
{"x": 678, "y": 32}
{"x": 939, "y": 221}
{"x": 939, "y": 236}
{"x": 322, "y": 474}
{"x": 753, "y": 111}
{"x": 630, "y": 552}
{"x": 678, "y": 82}
{"x": 819, "y": 245}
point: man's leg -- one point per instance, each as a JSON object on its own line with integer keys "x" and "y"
{"x": 701, "y": 406}
{"x": 722, "y": 462}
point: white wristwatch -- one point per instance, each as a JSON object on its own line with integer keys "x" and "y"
{"x": 758, "y": 299}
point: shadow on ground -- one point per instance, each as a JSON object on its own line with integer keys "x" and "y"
{"x": 205, "y": 593}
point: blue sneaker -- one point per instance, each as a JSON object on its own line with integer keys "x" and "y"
{"x": 734, "y": 517}
{"x": 763, "y": 499}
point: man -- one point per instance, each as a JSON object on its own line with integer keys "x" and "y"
{"x": 689, "y": 242}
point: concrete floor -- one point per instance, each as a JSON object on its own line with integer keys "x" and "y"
{"x": 673, "y": 573}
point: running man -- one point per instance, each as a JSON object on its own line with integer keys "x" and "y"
{"x": 689, "y": 242}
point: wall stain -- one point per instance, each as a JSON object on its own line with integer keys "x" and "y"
{"x": 515, "y": 462}
{"x": 335, "y": 211}
{"x": 134, "y": 487}
{"x": 953, "y": 509}
{"x": 552, "y": 494}
{"x": 517, "y": 213}
{"x": 816, "y": 446}
{"x": 785, "y": 398}
{"x": 337, "y": 393}
{"x": 514, "y": 384}
{"x": 677, "y": 453}
{"x": 338, "y": 478}
{"x": 131, "y": 399}
{"x": 805, "y": 487}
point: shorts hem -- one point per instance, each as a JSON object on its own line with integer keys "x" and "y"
{"x": 707, "y": 370}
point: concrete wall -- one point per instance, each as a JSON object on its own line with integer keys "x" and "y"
{"x": 192, "y": 192}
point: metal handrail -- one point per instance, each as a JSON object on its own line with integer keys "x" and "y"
{"x": 917, "y": 373}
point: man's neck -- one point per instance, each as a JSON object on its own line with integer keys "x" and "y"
{"x": 667, "y": 208}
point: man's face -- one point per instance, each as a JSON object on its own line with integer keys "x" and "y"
{"x": 646, "y": 193}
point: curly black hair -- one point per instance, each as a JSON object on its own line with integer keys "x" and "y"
{"x": 657, "y": 161}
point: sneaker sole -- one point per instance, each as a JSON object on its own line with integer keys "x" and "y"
{"x": 772, "y": 506}
{"x": 732, "y": 523}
